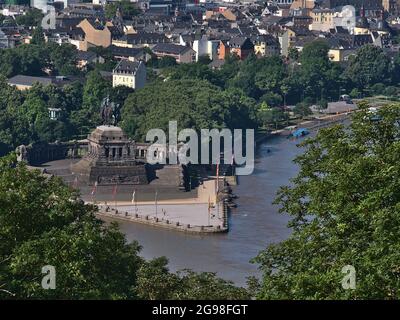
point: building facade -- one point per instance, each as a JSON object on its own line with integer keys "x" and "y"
{"x": 131, "y": 74}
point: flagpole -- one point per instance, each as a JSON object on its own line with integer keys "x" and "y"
{"x": 232, "y": 165}
{"x": 94, "y": 192}
{"x": 155, "y": 200}
{"x": 135, "y": 200}
{"x": 217, "y": 178}
{"x": 209, "y": 210}
{"x": 115, "y": 194}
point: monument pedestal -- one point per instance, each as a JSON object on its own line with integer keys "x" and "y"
{"x": 110, "y": 159}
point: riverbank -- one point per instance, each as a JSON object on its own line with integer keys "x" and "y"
{"x": 173, "y": 219}
{"x": 314, "y": 124}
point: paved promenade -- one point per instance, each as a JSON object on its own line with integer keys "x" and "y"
{"x": 199, "y": 215}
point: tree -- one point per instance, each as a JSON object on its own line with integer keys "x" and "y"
{"x": 270, "y": 77}
{"x": 369, "y": 66}
{"x": 293, "y": 54}
{"x": 62, "y": 58}
{"x": 204, "y": 59}
{"x": 391, "y": 91}
{"x": 166, "y": 62}
{"x": 38, "y": 36}
{"x": 344, "y": 208}
{"x": 155, "y": 282}
{"x": 355, "y": 93}
{"x": 193, "y": 104}
{"x": 268, "y": 116}
{"x": 272, "y": 99}
{"x": 43, "y": 222}
{"x": 318, "y": 77}
{"x": 96, "y": 88}
{"x": 302, "y": 110}
{"x": 128, "y": 9}
{"x": 31, "y": 18}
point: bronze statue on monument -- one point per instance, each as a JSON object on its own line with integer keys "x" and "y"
{"x": 109, "y": 111}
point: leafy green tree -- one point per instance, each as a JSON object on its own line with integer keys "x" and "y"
{"x": 62, "y": 58}
{"x": 14, "y": 130}
{"x": 293, "y": 54}
{"x": 204, "y": 59}
{"x": 193, "y": 104}
{"x": 355, "y": 93}
{"x": 317, "y": 75}
{"x": 31, "y": 18}
{"x": 128, "y": 9}
{"x": 268, "y": 116}
{"x": 272, "y": 99}
{"x": 391, "y": 91}
{"x": 95, "y": 89}
{"x": 369, "y": 66}
{"x": 156, "y": 282}
{"x": 244, "y": 78}
{"x": 38, "y": 36}
{"x": 378, "y": 88}
{"x": 193, "y": 71}
{"x": 166, "y": 62}
{"x": 302, "y": 110}
{"x": 271, "y": 76}
{"x": 109, "y": 61}
{"x": 25, "y": 59}
{"x": 43, "y": 222}
{"x": 344, "y": 208}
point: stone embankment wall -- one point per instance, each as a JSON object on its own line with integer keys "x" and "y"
{"x": 167, "y": 224}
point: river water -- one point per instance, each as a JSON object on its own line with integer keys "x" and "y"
{"x": 254, "y": 224}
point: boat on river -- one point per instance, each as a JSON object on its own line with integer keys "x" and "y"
{"x": 301, "y": 132}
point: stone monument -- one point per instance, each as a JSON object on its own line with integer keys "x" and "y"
{"x": 110, "y": 159}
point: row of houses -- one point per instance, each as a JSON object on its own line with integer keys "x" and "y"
{"x": 185, "y": 31}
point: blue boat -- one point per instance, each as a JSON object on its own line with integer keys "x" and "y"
{"x": 301, "y": 132}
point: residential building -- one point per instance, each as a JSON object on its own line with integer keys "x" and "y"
{"x": 84, "y": 58}
{"x": 180, "y": 53}
{"x": 140, "y": 39}
{"x": 241, "y": 46}
{"x": 130, "y": 73}
{"x": 266, "y": 45}
{"x": 96, "y": 34}
{"x": 206, "y": 47}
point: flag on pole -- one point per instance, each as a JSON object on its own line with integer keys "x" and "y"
{"x": 94, "y": 189}
{"x": 209, "y": 210}
{"x": 155, "y": 201}
{"x": 75, "y": 184}
{"x": 217, "y": 176}
{"x": 133, "y": 195}
{"x": 233, "y": 164}
{"x": 114, "y": 193}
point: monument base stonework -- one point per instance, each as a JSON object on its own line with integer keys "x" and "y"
{"x": 110, "y": 159}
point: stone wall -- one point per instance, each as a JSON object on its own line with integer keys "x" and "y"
{"x": 39, "y": 153}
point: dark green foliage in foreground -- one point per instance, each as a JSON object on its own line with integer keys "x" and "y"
{"x": 42, "y": 222}
{"x": 345, "y": 208}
